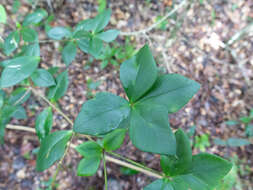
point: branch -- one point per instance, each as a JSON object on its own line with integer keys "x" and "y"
{"x": 143, "y": 31}
{"x": 107, "y": 157}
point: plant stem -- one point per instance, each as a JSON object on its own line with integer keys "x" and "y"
{"x": 148, "y": 29}
{"x": 131, "y": 161}
{"x": 107, "y": 157}
{"x": 105, "y": 172}
{"x": 22, "y": 97}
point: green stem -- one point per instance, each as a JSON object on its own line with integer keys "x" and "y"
{"x": 105, "y": 173}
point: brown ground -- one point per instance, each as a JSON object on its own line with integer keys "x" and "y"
{"x": 191, "y": 45}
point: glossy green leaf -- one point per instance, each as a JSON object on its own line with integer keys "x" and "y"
{"x": 29, "y": 34}
{"x": 30, "y": 50}
{"x": 17, "y": 94}
{"x": 113, "y": 140}
{"x": 88, "y": 166}
{"x": 149, "y": 130}
{"x": 62, "y": 81}
{"x": 2, "y": 97}
{"x": 35, "y": 18}
{"x": 11, "y": 42}
{"x": 172, "y": 91}
{"x": 249, "y": 131}
{"x": 181, "y": 162}
{"x": 42, "y": 78}
{"x": 220, "y": 142}
{"x": 95, "y": 24}
{"x": 90, "y": 148}
{"x": 44, "y": 123}
{"x": 52, "y": 149}
{"x": 69, "y": 53}
{"x": 19, "y": 113}
{"x": 235, "y": 142}
{"x": 18, "y": 69}
{"x": 101, "y": 114}
{"x": 58, "y": 33}
{"x": 3, "y": 16}
{"x": 138, "y": 74}
{"x": 108, "y": 35}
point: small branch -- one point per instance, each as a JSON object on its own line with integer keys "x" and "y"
{"x": 107, "y": 157}
{"x": 52, "y": 105}
{"x": 105, "y": 173}
{"x": 143, "y": 31}
{"x": 125, "y": 164}
{"x": 22, "y": 97}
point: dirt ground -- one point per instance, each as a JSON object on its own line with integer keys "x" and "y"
{"x": 193, "y": 44}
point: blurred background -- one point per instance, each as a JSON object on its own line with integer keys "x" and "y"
{"x": 210, "y": 41}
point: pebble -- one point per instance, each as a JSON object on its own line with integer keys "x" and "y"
{"x": 113, "y": 184}
{"x": 18, "y": 163}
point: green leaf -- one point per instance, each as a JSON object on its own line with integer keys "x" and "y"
{"x": 219, "y": 142}
{"x": 128, "y": 171}
{"x": 2, "y": 97}
{"x": 172, "y": 91}
{"x": 11, "y": 42}
{"x": 149, "y": 130}
{"x": 30, "y": 50}
{"x": 44, "y": 123}
{"x": 101, "y": 114}
{"x": 29, "y": 34}
{"x": 248, "y": 131}
{"x": 52, "y": 149}
{"x": 35, "y": 18}
{"x": 17, "y": 94}
{"x": 95, "y": 24}
{"x": 160, "y": 185}
{"x": 181, "y": 162}
{"x": 62, "y": 81}
{"x": 42, "y": 78}
{"x": 3, "y": 16}
{"x": 88, "y": 166}
{"x": 90, "y": 148}
{"x": 108, "y": 35}
{"x": 18, "y": 69}
{"x": 208, "y": 169}
{"x": 58, "y": 33}
{"x": 134, "y": 72}
{"x": 69, "y": 53}
{"x": 234, "y": 142}
{"x": 19, "y": 113}
{"x": 113, "y": 140}
{"x": 245, "y": 120}
{"x": 95, "y": 47}
{"x": 231, "y": 122}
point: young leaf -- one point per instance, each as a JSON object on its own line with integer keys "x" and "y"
{"x": 44, "y": 122}
{"x": 95, "y": 47}
{"x": 58, "y": 33}
{"x": 18, "y": 69}
{"x": 108, "y": 35}
{"x": 62, "y": 81}
{"x": 90, "y": 148}
{"x": 88, "y": 166}
{"x": 235, "y": 142}
{"x": 29, "y": 34}
{"x": 149, "y": 130}
{"x": 69, "y": 53}
{"x": 134, "y": 72}
{"x": 95, "y": 24}
{"x": 35, "y": 18}
{"x": 3, "y": 16}
{"x": 52, "y": 149}
{"x": 17, "y": 94}
{"x": 172, "y": 91}
{"x": 30, "y": 50}
{"x": 42, "y": 78}
{"x": 172, "y": 165}
{"x": 11, "y": 42}
{"x": 19, "y": 113}
{"x": 113, "y": 140}
{"x": 101, "y": 114}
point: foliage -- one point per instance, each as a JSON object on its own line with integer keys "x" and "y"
{"x": 107, "y": 118}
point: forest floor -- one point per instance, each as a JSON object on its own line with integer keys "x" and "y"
{"x": 199, "y": 41}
